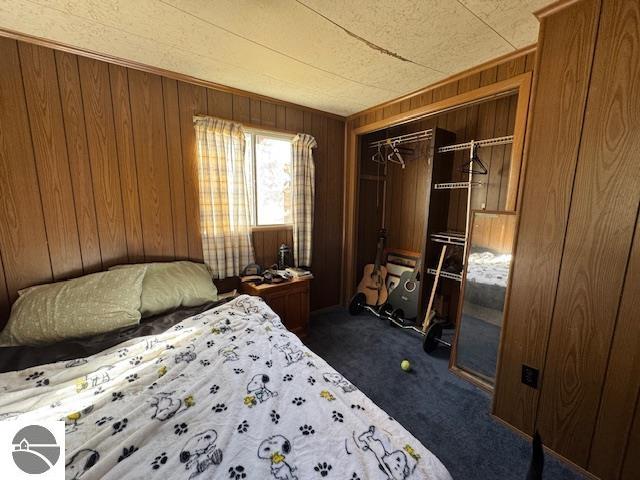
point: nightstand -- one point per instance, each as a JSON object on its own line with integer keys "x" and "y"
{"x": 290, "y": 300}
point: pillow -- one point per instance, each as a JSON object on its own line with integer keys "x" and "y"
{"x": 169, "y": 285}
{"x": 81, "y": 307}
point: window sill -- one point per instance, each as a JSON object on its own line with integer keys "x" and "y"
{"x": 271, "y": 228}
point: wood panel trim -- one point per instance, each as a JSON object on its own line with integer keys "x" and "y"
{"x": 105, "y": 57}
{"x": 521, "y": 52}
{"x": 485, "y": 93}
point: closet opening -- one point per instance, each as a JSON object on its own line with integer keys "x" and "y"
{"x": 417, "y": 182}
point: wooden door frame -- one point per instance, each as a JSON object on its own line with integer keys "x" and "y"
{"x": 520, "y": 84}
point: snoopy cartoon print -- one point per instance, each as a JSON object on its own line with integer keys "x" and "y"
{"x": 394, "y": 464}
{"x": 81, "y": 461}
{"x": 258, "y": 388}
{"x": 275, "y": 449}
{"x": 166, "y": 406}
{"x": 339, "y": 381}
{"x": 229, "y": 353}
{"x": 94, "y": 379}
{"x": 200, "y": 452}
{"x": 291, "y": 354}
{"x": 187, "y": 355}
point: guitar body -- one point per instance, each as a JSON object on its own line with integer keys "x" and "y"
{"x": 374, "y": 285}
{"x": 406, "y": 295}
{"x": 374, "y": 280}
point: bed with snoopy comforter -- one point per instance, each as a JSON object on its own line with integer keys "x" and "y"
{"x": 229, "y": 394}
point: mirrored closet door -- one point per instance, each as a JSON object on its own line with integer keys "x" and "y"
{"x": 484, "y": 292}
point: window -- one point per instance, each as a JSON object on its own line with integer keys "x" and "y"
{"x": 268, "y": 166}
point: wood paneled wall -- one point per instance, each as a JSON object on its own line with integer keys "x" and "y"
{"x": 98, "y": 167}
{"x": 574, "y": 310}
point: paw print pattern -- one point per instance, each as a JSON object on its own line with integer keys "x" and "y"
{"x": 34, "y": 375}
{"x": 177, "y": 328}
{"x": 243, "y": 427}
{"x": 287, "y": 378}
{"x": 135, "y": 360}
{"x": 269, "y": 363}
{"x": 311, "y": 380}
{"x": 119, "y": 426}
{"x": 98, "y": 391}
{"x": 180, "y": 428}
{"x": 337, "y": 417}
{"x": 159, "y": 461}
{"x": 219, "y": 407}
{"x": 122, "y": 352}
{"x": 127, "y": 452}
{"x": 115, "y": 396}
{"x": 354, "y": 476}
{"x": 132, "y": 378}
{"x": 298, "y": 401}
{"x": 43, "y": 382}
{"x": 103, "y": 420}
{"x": 210, "y": 343}
{"x": 214, "y": 389}
{"x": 307, "y": 429}
{"x": 253, "y": 357}
{"x": 205, "y": 362}
{"x": 238, "y": 371}
{"x": 237, "y": 472}
{"x": 233, "y": 338}
{"x": 275, "y": 417}
{"x": 248, "y": 330}
{"x": 357, "y": 407}
{"x": 323, "y": 468}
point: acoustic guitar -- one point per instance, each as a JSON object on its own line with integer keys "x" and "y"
{"x": 407, "y": 293}
{"x": 374, "y": 280}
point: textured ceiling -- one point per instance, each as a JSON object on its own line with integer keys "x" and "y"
{"x": 333, "y": 55}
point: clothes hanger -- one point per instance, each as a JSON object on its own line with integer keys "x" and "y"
{"x": 474, "y": 165}
{"x": 395, "y": 156}
{"x": 378, "y": 157}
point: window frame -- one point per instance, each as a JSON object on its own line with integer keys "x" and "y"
{"x": 254, "y": 132}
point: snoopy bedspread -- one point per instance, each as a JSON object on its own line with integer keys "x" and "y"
{"x": 229, "y": 393}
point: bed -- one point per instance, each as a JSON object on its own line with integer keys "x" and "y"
{"x": 225, "y": 393}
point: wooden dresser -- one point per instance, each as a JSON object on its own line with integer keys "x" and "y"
{"x": 290, "y": 300}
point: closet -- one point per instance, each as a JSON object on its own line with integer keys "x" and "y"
{"x": 424, "y": 202}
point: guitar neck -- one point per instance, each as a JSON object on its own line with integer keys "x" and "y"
{"x": 380, "y": 251}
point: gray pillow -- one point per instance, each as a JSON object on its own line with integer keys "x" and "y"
{"x": 169, "y": 285}
{"x": 88, "y": 305}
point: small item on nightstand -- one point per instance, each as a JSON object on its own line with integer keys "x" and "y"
{"x": 254, "y": 279}
{"x": 251, "y": 270}
{"x": 284, "y": 256}
{"x": 297, "y": 272}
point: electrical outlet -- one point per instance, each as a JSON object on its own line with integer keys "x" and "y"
{"x": 530, "y": 376}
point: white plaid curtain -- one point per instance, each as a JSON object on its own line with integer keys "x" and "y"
{"x": 303, "y": 198}
{"x": 225, "y": 221}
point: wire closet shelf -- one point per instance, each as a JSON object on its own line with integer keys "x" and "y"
{"x": 403, "y": 139}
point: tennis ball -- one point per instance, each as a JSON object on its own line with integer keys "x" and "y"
{"x": 405, "y": 365}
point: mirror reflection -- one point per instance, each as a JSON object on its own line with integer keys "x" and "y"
{"x": 487, "y": 269}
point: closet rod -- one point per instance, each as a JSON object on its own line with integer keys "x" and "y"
{"x": 489, "y": 142}
{"x": 401, "y": 139}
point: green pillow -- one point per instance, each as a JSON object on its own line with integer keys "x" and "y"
{"x": 81, "y": 307}
{"x": 169, "y": 285}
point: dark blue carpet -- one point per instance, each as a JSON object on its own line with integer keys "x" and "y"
{"x": 448, "y": 415}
